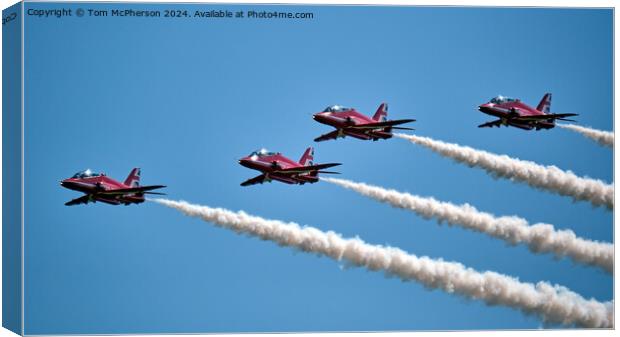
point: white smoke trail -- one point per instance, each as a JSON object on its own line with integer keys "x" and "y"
{"x": 604, "y": 138}
{"x": 550, "y": 178}
{"x": 553, "y": 303}
{"x": 540, "y": 237}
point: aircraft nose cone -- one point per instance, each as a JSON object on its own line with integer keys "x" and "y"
{"x": 72, "y": 185}
{"x": 484, "y": 106}
{"x": 318, "y": 116}
{"x": 244, "y": 161}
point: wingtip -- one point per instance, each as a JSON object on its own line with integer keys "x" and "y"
{"x": 329, "y": 172}
{"x": 402, "y": 128}
{"x": 155, "y": 193}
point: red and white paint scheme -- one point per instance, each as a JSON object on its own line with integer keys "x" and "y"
{"x": 99, "y": 187}
{"x": 275, "y": 166}
{"x": 349, "y": 122}
{"x": 513, "y": 112}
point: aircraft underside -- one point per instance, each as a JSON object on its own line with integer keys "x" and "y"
{"x": 287, "y": 179}
{"x": 108, "y": 199}
{"x": 521, "y": 124}
{"x": 532, "y": 125}
{"x": 298, "y": 179}
{"x": 524, "y": 122}
{"x": 366, "y": 135}
{"x": 363, "y": 134}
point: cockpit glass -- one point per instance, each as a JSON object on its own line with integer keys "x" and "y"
{"x": 336, "y": 108}
{"x": 501, "y": 99}
{"x": 85, "y": 174}
{"x": 262, "y": 153}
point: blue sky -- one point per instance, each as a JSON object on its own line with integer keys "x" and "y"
{"x": 185, "y": 98}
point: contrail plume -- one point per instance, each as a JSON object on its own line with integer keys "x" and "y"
{"x": 604, "y": 138}
{"x": 540, "y": 237}
{"x": 549, "y": 178}
{"x": 553, "y": 303}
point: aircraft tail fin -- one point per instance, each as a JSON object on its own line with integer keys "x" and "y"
{"x": 133, "y": 179}
{"x": 545, "y": 104}
{"x": 307, "y": 157}
{"x": 381, "y": 114}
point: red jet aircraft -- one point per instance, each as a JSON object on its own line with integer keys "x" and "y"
{"x": 349, "y": 122}
{"x": 98, "y": 187}
{"x": 274, "y": 166}
{"x": 513, "y": 112}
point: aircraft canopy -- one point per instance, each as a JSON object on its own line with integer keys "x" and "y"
{"x": 86, "y": 174}
{"x": 336, "y": 108}
{"x": 502, "y": 99}
{"x": 262, "y": 153}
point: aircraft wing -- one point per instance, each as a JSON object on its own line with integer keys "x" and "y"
{"x": 546, "y": 116}
{"x": 256, "y": 180}
{"x": 378, "y": 125}
{"x": 327, "y": 136}
{"x": 130, "y": 190}
{"x": 310, "y": 168}
{"x": 497, "y": 123}
{"x": 81, "y": 200}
